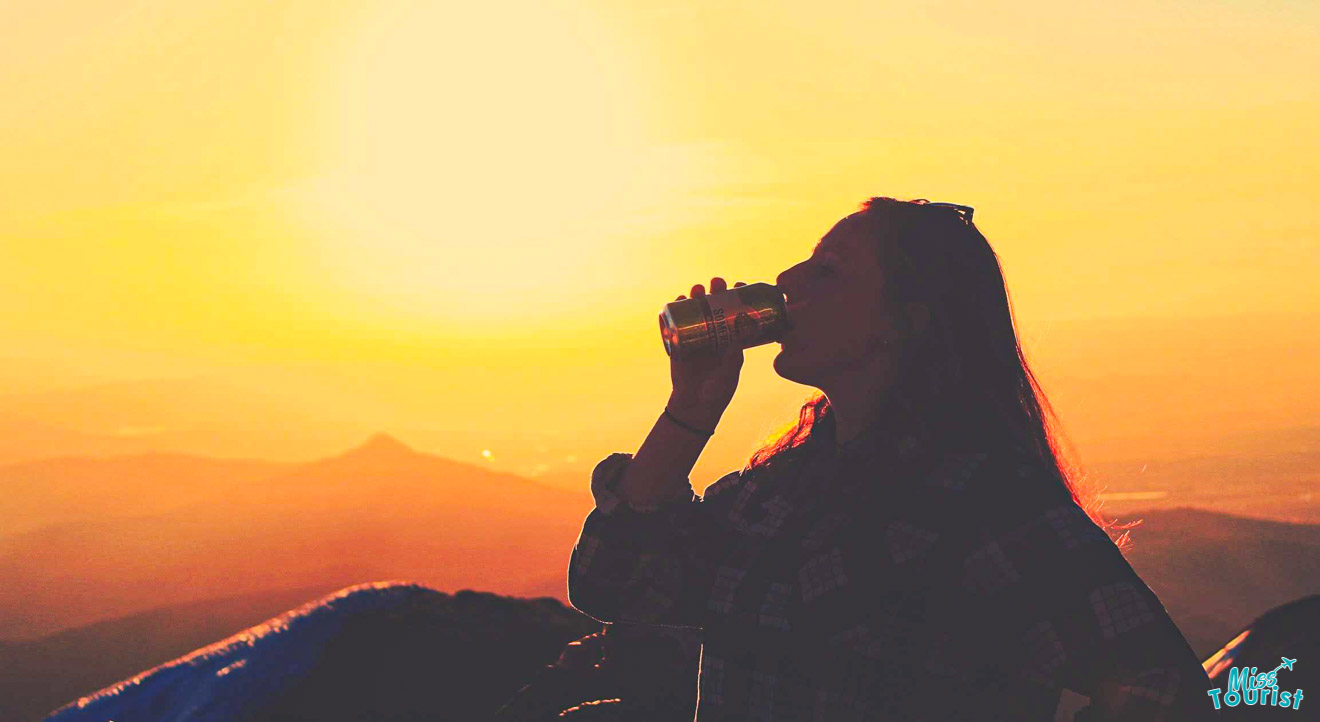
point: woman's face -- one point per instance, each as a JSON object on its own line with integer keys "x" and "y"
{"x": 839, "y": 318}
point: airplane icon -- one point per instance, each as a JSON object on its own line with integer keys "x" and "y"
{"x": 1287, "y": 663}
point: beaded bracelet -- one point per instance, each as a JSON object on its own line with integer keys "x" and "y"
{"x": 693, "y": 429}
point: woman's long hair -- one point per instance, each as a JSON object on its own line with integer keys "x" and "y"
{"x": 964, "y": 382}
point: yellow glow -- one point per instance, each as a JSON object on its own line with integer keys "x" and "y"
{"x": 489, "y": 157}
{"x": 460, "y": 219}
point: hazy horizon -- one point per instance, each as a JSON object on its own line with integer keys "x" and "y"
{"x": 1125, "y": 389}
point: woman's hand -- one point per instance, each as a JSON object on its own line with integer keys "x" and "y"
{"x": 704, "y": 383}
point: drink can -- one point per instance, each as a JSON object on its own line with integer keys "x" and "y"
{"x": 741, "y": 317}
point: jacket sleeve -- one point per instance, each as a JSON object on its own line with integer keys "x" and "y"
{"x": 648, "y": 564}
{"x": 1090, "y": 624}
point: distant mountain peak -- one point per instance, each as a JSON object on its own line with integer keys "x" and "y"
{"x": 383, "y": 446}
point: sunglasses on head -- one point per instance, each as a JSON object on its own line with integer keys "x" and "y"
{"x": 964, "y": 211}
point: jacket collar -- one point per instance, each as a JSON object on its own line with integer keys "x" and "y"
{"x": 886, "y": 438}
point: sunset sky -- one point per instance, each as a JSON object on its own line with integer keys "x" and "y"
{"x": 456, "y": 222}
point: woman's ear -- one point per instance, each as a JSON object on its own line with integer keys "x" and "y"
{"x": 918, "y": 315}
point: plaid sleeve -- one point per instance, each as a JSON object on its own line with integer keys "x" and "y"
{"x": 1086, "y": 621}
{"x": 646, "y": 564}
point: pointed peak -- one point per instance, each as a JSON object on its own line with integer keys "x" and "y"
{"x": 382, "y": 445}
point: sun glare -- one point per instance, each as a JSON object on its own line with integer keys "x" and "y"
{"x": 485, "y": 152}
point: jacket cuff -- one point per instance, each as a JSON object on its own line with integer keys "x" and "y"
{"x": 605, "y": 479}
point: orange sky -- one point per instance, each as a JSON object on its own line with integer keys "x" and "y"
{"x": 457, "y": 221}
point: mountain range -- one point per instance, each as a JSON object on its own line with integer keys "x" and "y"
{"x": 171, "y": 551}
{"x": 185, "y": 530}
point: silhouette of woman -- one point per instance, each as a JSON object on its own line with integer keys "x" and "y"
{"x": 915, "y": 546}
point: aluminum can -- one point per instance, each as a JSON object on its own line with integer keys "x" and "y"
{"x": 741, "y": 317}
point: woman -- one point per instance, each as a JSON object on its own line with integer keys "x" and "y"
{"x": 911, "y": 548}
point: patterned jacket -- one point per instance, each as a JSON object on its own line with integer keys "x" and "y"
{"x": 888, "y": 581}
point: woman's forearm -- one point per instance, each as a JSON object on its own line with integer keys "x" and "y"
{"x": 660, "y": 468}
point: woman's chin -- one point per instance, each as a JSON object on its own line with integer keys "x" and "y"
{"x": 786, "y": 366}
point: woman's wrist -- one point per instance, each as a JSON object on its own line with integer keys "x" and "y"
{"x": 694, "y": 415}
{"x": 705, "y": 433}
{"x": 658, "y": 473}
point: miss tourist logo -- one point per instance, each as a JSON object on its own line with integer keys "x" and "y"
{"x": 1245, "y": 686}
